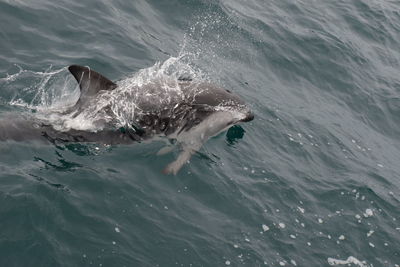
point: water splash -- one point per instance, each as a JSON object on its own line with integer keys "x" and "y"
{"x": 51, "y": 93}
{"x": 209, "y": 43}
{"x": 51, "y": 89}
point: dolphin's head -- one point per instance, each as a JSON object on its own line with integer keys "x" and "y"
{"x": 222, "y": 99}
{"x": 235, "y": 103}
{"x": 249, "y": 116}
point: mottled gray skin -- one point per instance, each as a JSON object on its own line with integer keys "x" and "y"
{"x": 191, "y": 120}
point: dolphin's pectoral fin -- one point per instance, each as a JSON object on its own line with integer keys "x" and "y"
{"x": 182, "y": 159}
{"x": 90, "y": 82}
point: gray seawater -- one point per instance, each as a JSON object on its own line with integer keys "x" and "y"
{"x": 313, "y": 181}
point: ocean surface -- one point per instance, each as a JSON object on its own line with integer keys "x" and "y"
{"x": 313, "y": 180}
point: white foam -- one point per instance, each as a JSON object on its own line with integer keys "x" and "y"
{"x": 265, "y": 227}
{"x": 349, "y": 260}
{"x": 368, "y": 213}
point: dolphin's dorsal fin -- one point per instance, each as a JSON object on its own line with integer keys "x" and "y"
{"x": 90, "y": 82}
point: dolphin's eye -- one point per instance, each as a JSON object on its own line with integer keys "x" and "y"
{"x": 228, "y": 91}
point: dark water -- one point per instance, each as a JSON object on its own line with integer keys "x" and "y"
{"x": 313, "y": 181}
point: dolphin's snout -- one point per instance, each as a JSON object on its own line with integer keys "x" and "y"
{"x": 249, "y": 117}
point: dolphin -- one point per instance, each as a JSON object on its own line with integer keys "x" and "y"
{"x": 185, "y": 111}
